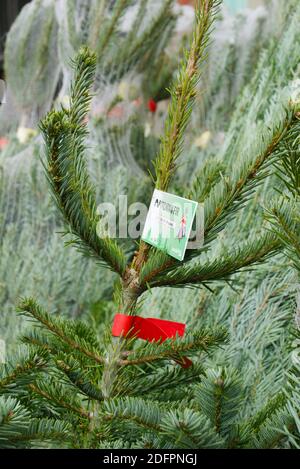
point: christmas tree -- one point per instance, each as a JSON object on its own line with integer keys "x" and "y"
{"x": 75, "y": 381}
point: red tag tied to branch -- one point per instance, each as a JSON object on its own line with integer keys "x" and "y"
{"x": 149, "y": 329}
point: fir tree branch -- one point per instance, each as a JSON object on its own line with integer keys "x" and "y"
{"x": 288, "y": 165}
{"x": 183, "y": 94}
{"x": 231, "y": 194}
{"x": 141, "y": 46}
{"x": 189, "y": 429}
{"x": 78, "y": 377}
{"x": 23, "y": 371}
{"x": 135, "y": 410}
{"x": 285, "y": 224}
{"x": 163, "y": 380}
{"x": 271, "y": 432}
{"x": 57, "y": 326}
{"x": 60, "y": 401}
{"x": 202, "y": 340}
{"x": 43, "y": 429}
{"x": 14, "y": 419}
{"x": 64, "y": 133}
{"x": 18, "y": 428}
{"x": 104, "y": 41}
{"x": 41, "y": 341}
{"x": 284, "y": 217}
{"x": 137, "y": 48}
{"x": 276, "y": 403}
{"x": 246, "y": 255}
{"x": 219, "y": 397}
{"x": 208, "y": 176}
{"x": 228, "y": 196}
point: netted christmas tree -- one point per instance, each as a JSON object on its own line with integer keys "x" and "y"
{"x": 75, "y": 381}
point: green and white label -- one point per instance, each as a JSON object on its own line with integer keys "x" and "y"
{"x": 169, "y": 223}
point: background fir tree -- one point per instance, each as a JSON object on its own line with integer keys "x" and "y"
{"x": 97, "y": 399}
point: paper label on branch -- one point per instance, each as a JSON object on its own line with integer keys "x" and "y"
{"x": 169, "y": 222}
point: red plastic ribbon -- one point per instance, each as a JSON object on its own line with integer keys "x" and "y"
{"x": 149, "y": 329}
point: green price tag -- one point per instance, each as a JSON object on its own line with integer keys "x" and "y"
{"x": 169, "y": 222}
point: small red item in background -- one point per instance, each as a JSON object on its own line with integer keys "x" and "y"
{"x": 149, "y": 329}
{"x": 3, "y": 142}
{"x": 186, "y": 2}
{"x": 152, "y": 105}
